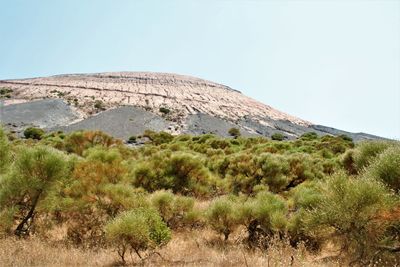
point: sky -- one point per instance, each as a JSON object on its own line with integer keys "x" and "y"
{"x": 335, "y": 63}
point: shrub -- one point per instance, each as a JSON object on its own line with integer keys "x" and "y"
{"x": 346, "y": 137}
{"x": 138, "y": 230}
{"x": 5, "y": 91}
{"x": 164, "y": 110}
{"x": 189, "y": 174}
{"x": 263, "y": 216}
{"x": 303, "y": 167}
{"x": 246, "y": 171}
{"x": 346, "y": 212}
{"x": 386, "y": 168}
{"x": 235, "y": 132}
{"x": 158, "y": 138}
{"x": 309, "y": 136}
{"x": 277, "y": 137}
{"x": 98, "y": 104}
{"x": 173, "y": 209}
{"x": 275, "y": 170}
{"x": 33, "y": 133}
{"x": 302, "y": 198}
{"x": 181, "y": 172}
{"x": 221, "y": 216}
{"x": 366, "y": 152}
{"x": 78, "y": 142}
{"x": 347, "y": 161}
{"x": 85, "y": 207}
{"x": 132, "y": 139}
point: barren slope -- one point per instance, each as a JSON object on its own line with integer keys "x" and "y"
{"x": 186, "y": 97}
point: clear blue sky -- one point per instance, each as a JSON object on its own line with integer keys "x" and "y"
{"x": 335, "y": 63}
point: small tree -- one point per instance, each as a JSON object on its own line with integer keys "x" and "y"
{"x": 33, "y": 133}
{"x": 222, "y": 217}
{"x": 173, "y": 209}
{"x": 137, "y": 230}
{"x": 235, "y": 132}
{"x": 34, "y": 173}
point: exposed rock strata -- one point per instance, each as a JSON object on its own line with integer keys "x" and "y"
{"x": 195, "y": 106}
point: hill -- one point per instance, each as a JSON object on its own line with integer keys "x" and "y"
{"x": 170, "y": 102}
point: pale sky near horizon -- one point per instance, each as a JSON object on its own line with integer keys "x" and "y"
{"x": 335, "y": 63}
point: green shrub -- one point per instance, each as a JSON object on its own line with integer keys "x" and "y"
{"x": 386, "y": 168}
{"x": 346, "y": 137}
{"x": 303, "y": 198}
{"x": 173, "y": 209}
{"x": 158, "y": 138}
{"x": 345, "y": 212}
{"x": 277, "y": 137}
{"x": 347, "y": 161}
{"x": 309, "y": 136}
{"x": 164, "y": 110}
{"x": 33, "y": 133}
{"x": 222, "y": 217}
{"x": 77, "y": 142}
{"x": 235, "y": 132}
{"x": 366, "y": 152}
{"x": 274, "y": 170}
{"x": 245, "y": 171}
{"x": 98, "y": 104}
{"x": 263, "y": 216}
{"x": 5, "y": 91}
{"x": 138, "y": 230}
{"x": 132, "y": 139}
{"x": 181, "y": 172}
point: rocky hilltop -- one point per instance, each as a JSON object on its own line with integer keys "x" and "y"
{"x": 127, "y": 103}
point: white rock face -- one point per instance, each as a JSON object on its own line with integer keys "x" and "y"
{"x": 183, "y": 95}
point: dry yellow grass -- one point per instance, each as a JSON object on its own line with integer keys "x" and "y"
{"x": 198, "y": 248}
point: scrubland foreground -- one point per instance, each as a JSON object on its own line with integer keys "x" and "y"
{"x": 87, "y": 199}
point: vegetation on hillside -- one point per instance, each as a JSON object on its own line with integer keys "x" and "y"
{"x": 311, "y": 192}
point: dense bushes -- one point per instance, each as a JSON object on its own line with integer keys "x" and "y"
{"x": 95, "y": 188}
{"x": 367, "y": 151}
{"x": 181, "y": 172}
